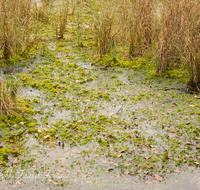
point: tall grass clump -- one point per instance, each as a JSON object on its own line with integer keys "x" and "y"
{"x": 105, "y": 18}
{"x": 173, "y": 29}
{"x": 193, "y": 43}
{"x": 9, "y": 105}
{"x": 141, "y": 18}
{"x": 73, "y": 6}
{"x": 43, "y": 10}
{"x": 17, "y": 27}
{"x": 123, "y": 23}
{"x": 47, "y": 3}
{"x": 60, "y": 20}
{"x": 179, "y": 38}
{"x": 79, "y": 18}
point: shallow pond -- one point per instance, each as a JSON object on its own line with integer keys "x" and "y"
{"x": 104, "y": 129}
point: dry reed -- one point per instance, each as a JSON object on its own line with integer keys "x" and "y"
{"x": 16, "y": 27}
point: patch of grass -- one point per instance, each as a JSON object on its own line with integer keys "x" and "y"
{"x": 9, "y": 104}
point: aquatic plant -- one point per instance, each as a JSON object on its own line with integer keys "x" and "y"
{"x": 8, "y": 100}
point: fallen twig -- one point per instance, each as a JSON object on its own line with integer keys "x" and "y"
{"x": 120, "y": 109}
{"x": 18, "y": 135}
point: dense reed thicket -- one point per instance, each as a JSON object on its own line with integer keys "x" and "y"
{"x": 8, "y": 104}
{"x": 17, "y": 27}
{"x": 169, "y": 30}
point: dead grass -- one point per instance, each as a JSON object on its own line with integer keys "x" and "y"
{"x": 140, "y": 27}
{"x": 170, "y": 29}
{"x": 9, "y": 105}
{"x": 16, "y": 27}
{"x": 61, "y": 22}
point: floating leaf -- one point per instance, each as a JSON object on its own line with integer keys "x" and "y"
{"x": 140, "y": 170}
{"x": 56, "y": 136}
{"x": 55, "y": 182}
{"x": 110, "y": 136}
{"x": 170, "y": 110}
{"x": 148, "y": 182}
{"x": 177, "y": 171}
{"x": 15, "y": 148}
{"x": 75, "y": 131}
{"x": 18, "y": 182}
{"x": 171, "y": 135}
{"x": 46, "y": 137}
{"x": 158, "y": 177}
{"x": 118, "y": 176}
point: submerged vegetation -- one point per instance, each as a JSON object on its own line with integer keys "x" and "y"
{"x": 91, "y": 104}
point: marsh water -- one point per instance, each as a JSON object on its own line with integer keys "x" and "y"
{"x": 100, "y": 128}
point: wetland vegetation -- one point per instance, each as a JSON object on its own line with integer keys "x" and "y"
{"x": 99, "y": 94}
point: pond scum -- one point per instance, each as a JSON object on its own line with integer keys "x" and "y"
{"x": 94, "y": 94}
